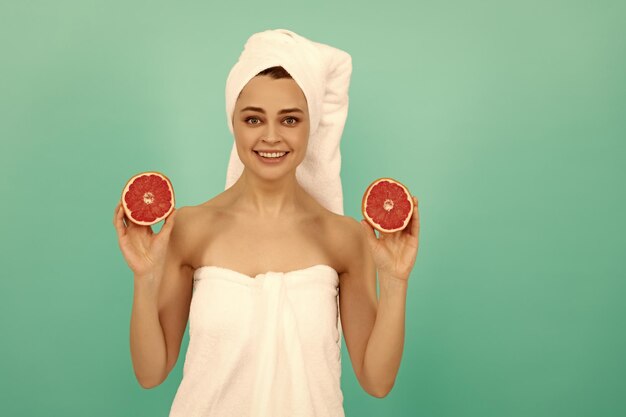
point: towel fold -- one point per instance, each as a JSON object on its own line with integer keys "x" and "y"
{"x": 323, "y": 73}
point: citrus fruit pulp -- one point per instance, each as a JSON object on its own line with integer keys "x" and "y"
{"x": 387, "y": 205}
{"x": 148, "y": 198}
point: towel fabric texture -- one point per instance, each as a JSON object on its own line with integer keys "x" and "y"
{"x": 323, "y": 74}
{"x": 266, "y": 346}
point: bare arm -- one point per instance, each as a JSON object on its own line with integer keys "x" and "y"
{"x": 394, "y": 255}
{"x": 374, "y": 327}
{"x": 162, "y": 295}
{"x": 157, "y": 327}
{"x": 383, "y": 353}
{"x": 147, "y": 342}
{"x": 158, "y": 322}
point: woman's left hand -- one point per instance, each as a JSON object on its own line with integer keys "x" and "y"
{"x": 395, "y": 253}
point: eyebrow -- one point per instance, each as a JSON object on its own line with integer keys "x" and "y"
{"x": 283, "y": 111}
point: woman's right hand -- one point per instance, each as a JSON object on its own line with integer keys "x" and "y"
{"x": 143, "y": 250}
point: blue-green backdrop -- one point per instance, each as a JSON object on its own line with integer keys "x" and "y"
{"x": 506, "y": 119}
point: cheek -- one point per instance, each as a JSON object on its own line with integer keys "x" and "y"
{"x": 243, "y": 141}
{"x": 303, "y": 132}
{"x": 303, "y": 142}
{"x": 241, "y": 132}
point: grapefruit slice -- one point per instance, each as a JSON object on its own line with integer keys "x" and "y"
{"x": 148, "y": 198}
{"x": 387, "y": 205}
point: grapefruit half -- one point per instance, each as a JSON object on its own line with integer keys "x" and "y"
{"x": 148, "y": 198}
{"x": 387, "y": 205}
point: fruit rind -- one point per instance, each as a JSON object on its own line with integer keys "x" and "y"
{"x": 127, "y": 186}
{"x": 370, "y": 221}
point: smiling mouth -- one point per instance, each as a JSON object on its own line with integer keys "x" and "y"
{"x": 285, "y": 152}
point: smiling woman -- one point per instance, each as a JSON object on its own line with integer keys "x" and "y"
{"x": 264, "y": 342}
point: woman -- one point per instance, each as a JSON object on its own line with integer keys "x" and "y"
{"x": 264, "y": 342}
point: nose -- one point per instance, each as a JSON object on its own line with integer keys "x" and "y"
{"x": 272, "y": 133}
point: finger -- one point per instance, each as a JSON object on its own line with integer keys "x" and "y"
{"x": 369, "y": 230}
{"x": 116, "y": 211}
{"x": 128, "y": 222}
{"x": 169, "y": 220}
{"x": 131, "y": 225}
{"x": 118, "y": 223}
{"x": 169, "y": 223}
{"x": 370, "y": 233}
{"x": 415, "y": 219}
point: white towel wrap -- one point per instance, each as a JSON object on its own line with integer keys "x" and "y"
{"x": 263, "y": 346}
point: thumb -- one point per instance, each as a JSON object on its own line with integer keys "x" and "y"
{"x": 169, "y": 222}
{"x": 369, "y": 232}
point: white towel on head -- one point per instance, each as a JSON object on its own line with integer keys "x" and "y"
{"x": 323, "y": 73}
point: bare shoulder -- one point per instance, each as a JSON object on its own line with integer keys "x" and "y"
{"x": 192, "y": 225}
{"x": 187, "y": 218}
{"x": 346, "y": 227}
{"x": 347, "y": 239}
{"x": 193, "y": 217}
{"x": 179, "y": 235}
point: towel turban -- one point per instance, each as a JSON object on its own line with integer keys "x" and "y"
{"x": 323, "y": 74}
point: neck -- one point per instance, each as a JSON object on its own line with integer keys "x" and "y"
{"x": 269, "y": 199}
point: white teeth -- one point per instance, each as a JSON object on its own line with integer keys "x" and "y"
{"x": 272, "y": 155}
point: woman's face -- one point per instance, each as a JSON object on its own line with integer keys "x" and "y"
{"x": 271, "y": 115}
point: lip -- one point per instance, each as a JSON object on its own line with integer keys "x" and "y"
{"x": 272, "y": 160}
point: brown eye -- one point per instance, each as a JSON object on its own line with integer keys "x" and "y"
{"x": 294, "y": 120}
{"x": 252, "y": 118}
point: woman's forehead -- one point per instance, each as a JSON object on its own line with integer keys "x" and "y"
{"x": 267, "y": 92}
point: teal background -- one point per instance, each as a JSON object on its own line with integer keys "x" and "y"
{"x": 505, "y": 119}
